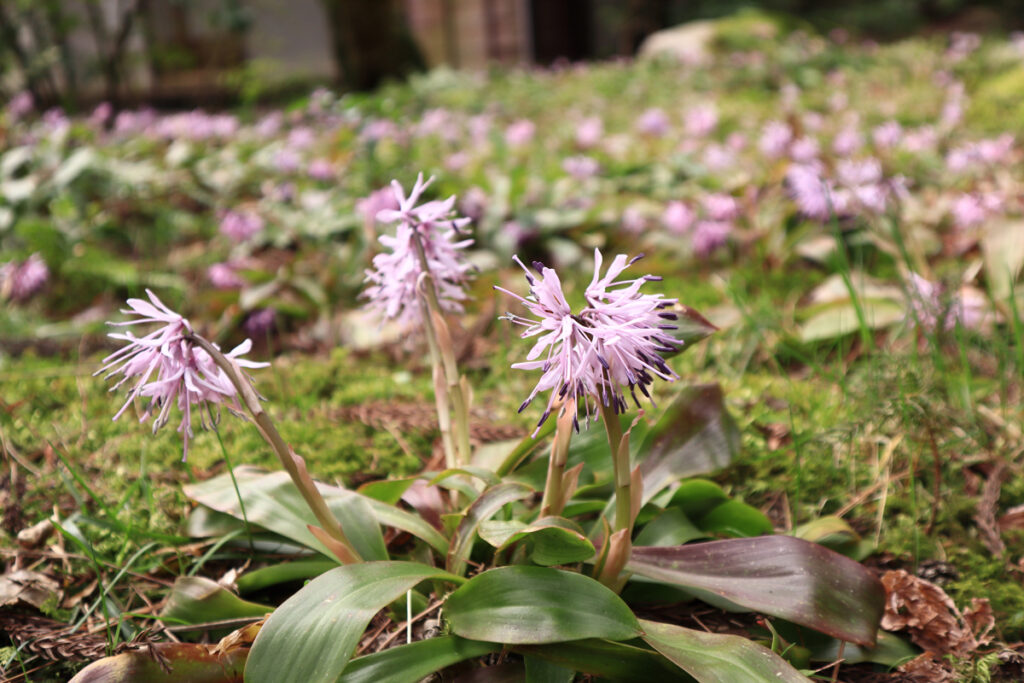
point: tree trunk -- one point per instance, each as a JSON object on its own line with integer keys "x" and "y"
{"x": 370, "y": 42}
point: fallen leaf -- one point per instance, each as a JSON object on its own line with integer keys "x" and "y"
{"x": 930, "y": 617}
{"x": 28, "y": 587}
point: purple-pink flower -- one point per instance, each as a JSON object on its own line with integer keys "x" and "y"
{"x": 224, "y": 276}
{"x": 240, "y": 226}
{"x": 166, "y": 367}
{"x": 20, "y": 281}
{"x": 612, "y": 345}
{"x": 653, "y": 122}
{"x": 398, "y": 273}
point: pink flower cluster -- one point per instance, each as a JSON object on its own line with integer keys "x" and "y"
{"x": 858, "y": 187}
{"x": 19, "y": 281}
{"x": 612, "y": 345}
{"x": 709, "y": 228}
{"x": 168, "y": 368}
{"x": 240, "y": 226}
{"x": 397, "y": 274}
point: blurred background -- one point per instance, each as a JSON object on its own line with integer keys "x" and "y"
{"x": 174, "y": 53}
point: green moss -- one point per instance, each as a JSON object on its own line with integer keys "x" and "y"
{"x": 997, "y": 105}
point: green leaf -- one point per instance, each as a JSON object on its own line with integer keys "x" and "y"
{"x": 552, "y": 540}
{"x": 191, "y": 662}
{"x": 841, "y": 318}
{"x": 195, "y": 600}
{"x": 283, "y": 572}
{"x": 695, "y": 435}
{"x": 415, "y": 661}
{"x": 540, "y": 670}
{"x": 486, "y": 476}
{"x": 835, "y": 534}
{"x": 312, "y": 635}
{"x": 386, "y": 490}
{"x": 533, "y": 605}
{"x": 482, "y": 509}
{"x": 778, "y": 575}
{"x": 717, "y": 657}
{"x": 356, "y": 517}
{"x": 607, "y": 660}
{"x": 891, "y": 650}
{"x": 671, "y": 527}
{"x": 1003, "y": 251}
{"x": 736, "y": 518}
{"x": 696, "y": 497}
{"x": 273, "y": 502}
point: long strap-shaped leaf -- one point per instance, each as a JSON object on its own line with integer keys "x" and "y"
{"x": 311, "y": 637}
{"x": 533, "y": 605}
{"x": 778, "y": 575}
{"x": 415, "y": 661}
{"x": 482, "y": 509}
{"x": 272, "y": 501}
{"x": 719, "y": 657}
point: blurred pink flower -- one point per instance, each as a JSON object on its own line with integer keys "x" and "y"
{"x": 589, "y": 132}
{"x": 260, "y": 322}
{"x": 612, "y": 345}
{"x": 775, "y": 139}
{"x": 21, "y": 105}
{"x": 701, "y": 120}
{"x": 224, "y": 276}
{"x": 709, "y": 236}
{"x": 520, "y": 133}
{"x": 633, "y": 220}
{"x": 321, "y": 169}
{"x": 101, "y": 114}
{"x": 678, "y": 217}
{"x": 184, "y": 373}
{"x": 378, "y": 200}
{"x": 812, "y": 192}
{"x": 720, "y": 207}
{"x": 653, "y": 122}
{"x": 20, "y": 281}
{"x": 972, "y": 210}
{"x": 887, "y": 135}
{"x": 847, "y": 141}
{"x": 240, "y": 226}
{"x": 581, "y": 167}
{"x": 804, "y": 150}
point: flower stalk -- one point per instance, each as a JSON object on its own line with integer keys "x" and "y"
{"x": 451, "y": 399}
{"x": 559, "y": 485}
{"x": 294, "y": 464}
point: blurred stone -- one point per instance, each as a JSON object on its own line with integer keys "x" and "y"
{"x": 689, "y": 43}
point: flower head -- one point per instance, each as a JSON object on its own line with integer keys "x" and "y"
{"x": 613, "y": 344}
{"x": 167, "y": 367}
{"x": 397, "y": 274}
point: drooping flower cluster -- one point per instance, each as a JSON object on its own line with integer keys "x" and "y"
{"x": 396, "y": 276}
{"x": 168, "y": 368}
{"x": 611, "y": 346}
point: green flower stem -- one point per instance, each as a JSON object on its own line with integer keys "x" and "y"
{"x": 620, "y": 458}
{"x": 234, "y": 482}
{"x": 433, "y": 323}
{"x": 291, "y": 462}
{"x": 554, "y": 488}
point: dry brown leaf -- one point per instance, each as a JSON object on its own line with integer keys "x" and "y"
{"x": 24, "y": 586}
{"x": 1012, "y": 519}
{"x": 980, "y": 620}
{"x": 925, "y": 669}
{"x": 928, "y": 615}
